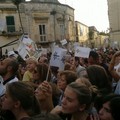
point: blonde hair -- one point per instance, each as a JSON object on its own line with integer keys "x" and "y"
{"x": 32, "y": 58}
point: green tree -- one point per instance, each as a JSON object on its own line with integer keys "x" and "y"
{"x": 17, "y": 3}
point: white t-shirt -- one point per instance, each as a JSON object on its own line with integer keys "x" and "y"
{"x": 3, "y": 87}
{"x": 117, "y": 90}
{"x": 117, "y": 69}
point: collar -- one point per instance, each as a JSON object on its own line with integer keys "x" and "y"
{"x": 9, "y": 79}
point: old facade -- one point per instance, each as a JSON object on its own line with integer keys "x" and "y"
{"x": 97, "y": 39}
{"x": 82, "y": 32}
{"x": 114, "y": 20}
{"x": 45, "y": 21}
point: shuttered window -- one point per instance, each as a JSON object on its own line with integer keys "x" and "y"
{"x": 10, "y": 23}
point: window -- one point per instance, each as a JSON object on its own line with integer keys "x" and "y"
{"x": 62, "y": 31}
{"x": 10, "y": 23}
{"x": 42, "y": 31}
{"x": 81, "y": 31}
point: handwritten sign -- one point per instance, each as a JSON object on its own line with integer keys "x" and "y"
{"x": 58, "y": 58}
{"x": 22, "y": 51}
{"x": 76, "y": 44}
{"x": 26, "y": 47}
{"x": 82, "y": 52}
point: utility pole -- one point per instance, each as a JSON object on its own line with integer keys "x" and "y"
{"x": 54, "y": 13}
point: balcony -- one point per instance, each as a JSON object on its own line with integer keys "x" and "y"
{"x": 10, "y": 34}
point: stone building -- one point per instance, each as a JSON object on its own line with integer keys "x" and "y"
{"x": 114, "y": 21}
{"x": 97, "y": 39}
{"x": 93, "y": 36}
{"x": 82, "y": 32}
{"x": 45, "y": 21}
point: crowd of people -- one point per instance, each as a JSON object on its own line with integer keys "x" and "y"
{"x": 87, "y": 88}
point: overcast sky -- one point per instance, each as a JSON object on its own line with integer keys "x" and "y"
{"x": 90, "y": 12}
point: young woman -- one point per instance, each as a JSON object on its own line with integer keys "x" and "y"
{"x": 92, "y": 111}
{"x": 65, "y": 78}
{"x": 39, "y": 75}
{"x": 76, "y": 101}
{"x": 111, "y": 108}
{"x": 20, "y": 100}
{"x": 99, "y": 77}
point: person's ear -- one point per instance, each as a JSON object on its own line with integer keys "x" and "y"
{"x": 17, "y": 104}
{"x": 82, "y": 107}
{"x": 9, "y": 68}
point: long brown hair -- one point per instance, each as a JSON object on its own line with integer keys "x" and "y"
{"x": 99, "y": 77}
{"x": 25, "y": 94}
{"x": 42, "y": 69}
